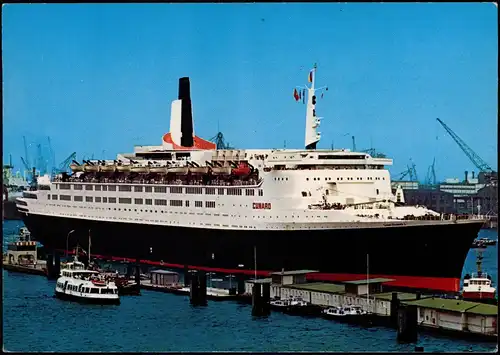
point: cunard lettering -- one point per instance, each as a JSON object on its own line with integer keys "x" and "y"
{"x": 261, "y": 206}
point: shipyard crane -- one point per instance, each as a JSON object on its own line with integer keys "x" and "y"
{"x": 26, "y": 161}
{"x": 63, "y": 167}
{"x": 474, "y": 158}
{"x": 431, "y": 174}
{"x": 52, "y": 155}
{"x": 41, "y": 163}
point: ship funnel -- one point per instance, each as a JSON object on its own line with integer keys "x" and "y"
{"x": 186, "y": 113}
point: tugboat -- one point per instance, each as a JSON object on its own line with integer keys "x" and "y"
{"x": 478, "y": 287}
{"x": 87, "y": 286}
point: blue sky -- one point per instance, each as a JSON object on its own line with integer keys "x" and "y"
{"x": 100, "y": 78}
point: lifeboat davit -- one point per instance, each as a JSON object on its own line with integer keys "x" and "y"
{"x": 140, "y": 169}
{"x": 91, "y": 168}
{"x": 242, "y": 170}
{"x": 108, "y": 168}
{"x": 76, "y": 168}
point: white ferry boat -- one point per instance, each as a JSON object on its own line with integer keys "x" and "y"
{"x": 86, "y": 286}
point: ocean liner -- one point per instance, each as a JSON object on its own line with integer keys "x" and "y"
{"x": 185, "y": 202}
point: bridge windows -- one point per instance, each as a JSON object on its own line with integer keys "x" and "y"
{"x": 137, "y": 188}
{"x": 78, "y": 198}
{"x": 126, "y": 200}
{"x": 126, "y": 188}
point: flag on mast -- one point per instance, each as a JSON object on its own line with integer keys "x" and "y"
{"x": 310, "y": 76}
{"x": 304, "y": 96}
{"x": 295, "y": 94}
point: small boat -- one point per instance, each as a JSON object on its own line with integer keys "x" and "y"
{"x": 140, "y": 169}
{"x": 111, "y": 168}
{"x": 296, "y": 306}
{"x": 158, "y": 169}
{"x": 91, "y": 168}
{"x": 76, "y": 168}
{"x": 180, "y": 170}
{"x": 221, "y": 171}
{"x": 350, "y": 313}
{"x": 199, "y": 169}
{"x": 87, "y": 286}
{"x": 242, "y": 170}
{"x": 123, "y": 168}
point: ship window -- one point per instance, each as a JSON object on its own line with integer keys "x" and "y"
{"x": 126, "y": 188}
{"x": 194, "y": 190}
{"x": 198, "y": 203}
{"x": 210, "y": 204}
{"x": 94, "y": 290}
{"x": 112, "y": 199}
{"x": 304, "y": 194}
{"x": 65, "y": 198}
{"x": 377, "y": 191}
{"x": 261, "y": 193}
{"x": 176, "y": 189}
{"x": 111, "y": 188}
{"x": 48, "y": 197}
{"x": 210, "y": 191}
{"x": 65, "y": 186}
{"x": 187, "y": 204}
{"x": 54, "y": 197}
{"x": 104, "y": 187}
{"x": 97, "y": 187}
{"x": 220, "y": 191}
{"x": 88, "y": 187}
{"x": 77, "y": 187}
{"x": 78, "y": 198}
{"x": 160, "y": 189}
{"x": 126, "y": 200}
{"x": 137, "y": 188}
{"x": 88, "y": 198}
{"x": 138, "y": 201}
{"x": 148, "y": 189}
{"x": 160, "y": 202}
{"x": 149, "y": 201}
{"x": 104, "y": 199}
{"x": 176, "y": 203}
{"x": 97, "y": 199}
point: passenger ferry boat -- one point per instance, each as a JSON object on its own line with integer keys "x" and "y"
{"x": 88, "y": 286}
{"x": 185, "y": 202}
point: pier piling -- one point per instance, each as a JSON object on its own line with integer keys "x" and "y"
{"x": 202, "y": 289}
{"x": 137, "y": 272}
{"x": 198, "y": 289}
{"x": 241, "y": 285}
{"x": 407, "y": 324}
{"x": 256, "y": 299}
{"x": 394, "y": 309}
{"x": 186, "y": 276}
{"x": 57, "y": 264}
{"x": 50, "y": 266}
{"x": 266, "y": 298}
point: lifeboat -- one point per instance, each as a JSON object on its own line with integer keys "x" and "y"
{"x": 123, "y": 168}
{"x": 180, "y": 170}
{"x": 158, "y": 169}
{"x": 199, "y": 169}
{"x": 91, "y": 168}
{"x": 99, "y": 282}
{"x": 221, "y": 171}
{"x": 140, "y": 169}
{"x": 242, "y": 170}
{"x": 108, "y": 168}
{"x": 76, "y": 168}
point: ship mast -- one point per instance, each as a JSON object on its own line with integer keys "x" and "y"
{"x": 312, "y": 136}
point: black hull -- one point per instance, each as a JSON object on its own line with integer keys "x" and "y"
{"x": 432, "y": 251}
{"x": 66, "y": 297}
{"x": 10, "y": 211}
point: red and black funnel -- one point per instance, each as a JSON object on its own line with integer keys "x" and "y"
{"x": 186, "y": 113}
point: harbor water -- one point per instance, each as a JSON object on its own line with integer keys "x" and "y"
{"x": 33, "y": 320}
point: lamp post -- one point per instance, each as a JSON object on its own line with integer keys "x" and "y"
{"x": 67, "y": 238}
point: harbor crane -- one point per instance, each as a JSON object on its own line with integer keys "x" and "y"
{"x": 431, "y": 174}
{"x": 63, "y": 167}
{"x": 474, "y": 158}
